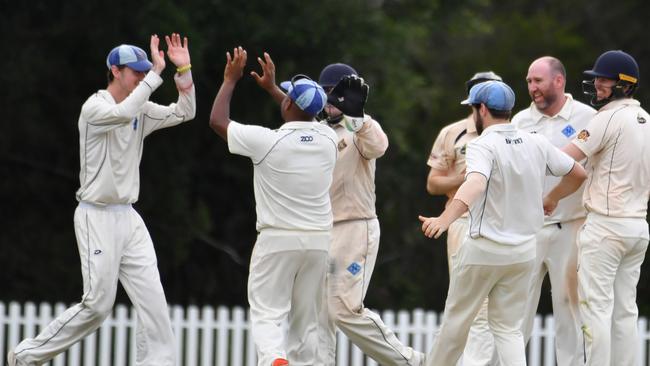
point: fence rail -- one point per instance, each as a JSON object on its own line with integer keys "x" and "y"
{"x": 208, "y": 336}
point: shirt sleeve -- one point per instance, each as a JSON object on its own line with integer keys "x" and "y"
{"x": 251, "y": 141}
{"x": 593, "y": 138}
{"x": 158, "y": 116}
{"x": 104, "y": 116}
{"x": 479, "y": 159}
{"x": 557, "y": 162}
{"x": 439, "y": 157}
{"x": 371, "y": 140}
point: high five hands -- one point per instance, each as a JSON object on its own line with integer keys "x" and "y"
{"x": 177, "y": 51}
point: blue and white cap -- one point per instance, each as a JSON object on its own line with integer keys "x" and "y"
{"x": 494, "y": 94}
{"x": 306, "y": 93}
{"x": 131, "y": 56}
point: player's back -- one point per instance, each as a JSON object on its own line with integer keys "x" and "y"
{"x": 511, "y": 211}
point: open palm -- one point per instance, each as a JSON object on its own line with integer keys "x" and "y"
{"x": 177, "y": 51}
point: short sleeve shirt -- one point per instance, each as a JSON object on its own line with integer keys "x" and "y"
{"x": 515, "y": 163}
{"x": 449, "y": 149}
{"x": 617, "y": 143}
{"x": 559, "y": 129}
{"x": 293, "y": 168}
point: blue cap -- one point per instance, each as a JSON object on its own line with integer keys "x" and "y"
{"x": 307, "y": 94}
{"x": 494, "y": 94}
{"x": 131, "y": 56}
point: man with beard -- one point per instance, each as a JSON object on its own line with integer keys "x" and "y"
{"x": 555, "y": 115}
{"x": 503, "y": 190}
{"x": 447, "y": 173}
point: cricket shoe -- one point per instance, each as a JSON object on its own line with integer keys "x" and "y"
{"x": 280, "y": 362}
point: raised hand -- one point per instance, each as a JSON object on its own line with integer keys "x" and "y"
{"x": 177, "y": 51}
{"x": 235, "y": 65}
{"x": 157, "y": 56}
{"x": 267, "y": 80}
{"x": 350, "y": 95}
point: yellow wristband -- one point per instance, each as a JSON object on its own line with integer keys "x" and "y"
{"x": 181, "y": 70}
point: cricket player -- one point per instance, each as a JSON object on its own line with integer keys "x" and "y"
{"x": 614, "y": 239}
{"x": 503, "y": 192}
{"x": 355, "y": 235}
{"x": 293, "y": 168}
{"x": 447, "y": 173}
{"x": 555, "y": 115}
{"x": 113, "y": 241}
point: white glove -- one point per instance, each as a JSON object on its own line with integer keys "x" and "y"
{"x": 353, "y": 124}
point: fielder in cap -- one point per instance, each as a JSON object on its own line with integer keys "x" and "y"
{"x": 292, "y": 175}
{"x": 555, "y": 115}
{"x": 447, "y": 173}
{"x": 112, "y": 239}
{"x": 614, "y": 239}
{"x": 503, "y": 190}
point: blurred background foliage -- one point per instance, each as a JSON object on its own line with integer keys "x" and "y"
{"x": 196, "y": 198}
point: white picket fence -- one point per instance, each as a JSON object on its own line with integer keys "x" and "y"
{"x": 221, "y": 337}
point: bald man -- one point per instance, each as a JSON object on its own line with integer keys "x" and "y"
{"x": 558, "y": 117}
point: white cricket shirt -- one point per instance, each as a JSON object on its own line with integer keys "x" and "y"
{"x": 617, "y": 141}
{"x": 111, "y": 138}
{"x": 559, "y": 129}
{"x": 292, "y": 175}
{"x": 515, "y": 163}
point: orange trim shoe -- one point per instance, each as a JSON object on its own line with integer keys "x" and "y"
{"x": 280, "y": 362}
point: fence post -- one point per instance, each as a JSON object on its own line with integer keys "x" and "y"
{"x": 207, "y": 339}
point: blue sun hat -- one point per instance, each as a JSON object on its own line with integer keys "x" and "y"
{"x": 306, "y": 93}
{"x": 131, "y": 56}
{"x": 494, "y": 94}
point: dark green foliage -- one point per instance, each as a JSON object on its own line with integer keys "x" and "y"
{"x": 196, "y": 198}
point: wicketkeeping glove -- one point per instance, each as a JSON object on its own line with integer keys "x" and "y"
{"x": 349, "y": 95}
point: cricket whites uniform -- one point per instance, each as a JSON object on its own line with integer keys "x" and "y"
{"x": 614, "y": 239}
{"x": 113, "y": 241}
{"x": 353, "y": 252}
{"x": 497, "y": 257}
{"x": 292, "y": 176}
{"x": 556, "y": 241}
{"x": 448, "y": 154}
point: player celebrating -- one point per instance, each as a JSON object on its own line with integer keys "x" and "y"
{"x": 113, "y": 240}
{"x": 555, "y": 115}
{"x": 292, "y": 175}
{"x": 447, "y": 173}
{"x": 503, "y": 192}
{"x": 614, "y": 239}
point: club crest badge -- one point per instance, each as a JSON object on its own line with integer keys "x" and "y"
{"x": 583, "y": 135}
{"x": 568, "y": 131}
{"x": 640, "y": 119}
{"x": 342, "y": 145}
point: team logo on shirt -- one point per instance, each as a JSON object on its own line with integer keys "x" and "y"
{"x": 342, "y": 145}
{"x": 640, "y": 119}
{"x": 568, "y": 131}
{"x": 583, "y": 135}
{"x": 463, "y": 149}
{"x": 354, "y": 268}
{"x": 306, "y": 138}
{"x": 135, "y": 123}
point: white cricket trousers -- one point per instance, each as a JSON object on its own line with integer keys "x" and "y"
{"x": 479, "y": 350}
{"x": 610, "y": 253}
{"x": 114, "y": 244}
{"x": 286, "y": 283}
{"x": 352, "y": 258}
{"x": 556, "y": 256}
{"x": 505, "y": 286}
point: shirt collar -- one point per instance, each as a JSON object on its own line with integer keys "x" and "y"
{"x": 564, "y": 113}
{"x": 620, "y": 102}
{"x": 499, "y": 127}
{"x": 297, "y": 124}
